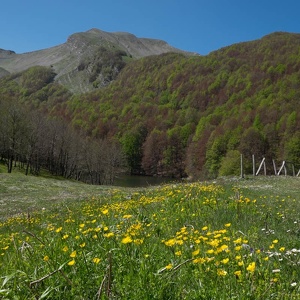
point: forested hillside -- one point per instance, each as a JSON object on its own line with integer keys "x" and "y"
{"x": 177, "y": 115}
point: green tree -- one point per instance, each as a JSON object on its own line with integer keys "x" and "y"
{"x": 132, "y": 143}
{"x": 230, "y": 164}
{"x": 292, "y": 149}
{"x": 214, "y": 155}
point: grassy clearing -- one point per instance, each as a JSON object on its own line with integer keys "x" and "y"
{"x": 232, "y": 239}
{"x": 27, "y": 194}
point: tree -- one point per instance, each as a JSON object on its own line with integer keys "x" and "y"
{"x": 132, "y": 142}
{"x": 230, "y": 164}
{"x": 153, "y": 149}
{"x": 292, "y": 149}
{"x": 214, "y": 154}
{"x": 253, "y": 142}
{"x": 13, "y": 132}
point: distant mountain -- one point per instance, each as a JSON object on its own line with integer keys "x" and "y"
{"x": 79, "y": 64}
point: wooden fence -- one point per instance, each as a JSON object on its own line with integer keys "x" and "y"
{"x": 286, "y": 167}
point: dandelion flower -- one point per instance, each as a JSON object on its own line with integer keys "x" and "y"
{"x": 228, "y": 225}
{"x": 82, "y": 245}
{"x": 199, "y": 260}
{"x": 178, "y": 253}
{"x": 71, "y": 262}
{"x": 251, "y": 267}
{"x": 73, "y": 254}
{"x": 58, "y": 229}
{"x": 126, "y": 240}
{"x": 169, "y": 267}
{"x": 65, "y": 248}
{"x": 281, "y": 249}
{"x": 238, "y": 273}
{"x": 196, "y": 252}
{"x": 221, "y": 272}
{"x": 127, "y": 216}
{"x": 108, "y": 235}
{"x": 225, "y": 261}
{"x": 96, "y": 260}
{"x": 238, "y": 241}
{"x": 170, "y": 242}
{"x": 46, "y": 258}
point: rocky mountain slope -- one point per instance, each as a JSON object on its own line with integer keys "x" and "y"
{"x": 66, "y": 58}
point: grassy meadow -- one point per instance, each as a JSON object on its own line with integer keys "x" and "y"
{"x": 228, "y": 239}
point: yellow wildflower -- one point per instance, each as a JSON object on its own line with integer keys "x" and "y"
{"x": 238, "y": 273}
{"x": 225, "y": 261}
{"x": 46, "y": 258}
{"x": 96, "y": 260}
{"x": 251, "y": 267}
{"x": 108, "y": 235}
{"x": 127, "y": 216}
{"x": 58, "y": 229}
{"x": 73, "y": 254}
{"x": 221, "y": 272}
{"x": 71, "y": 263}
{"x": 238, "y": 241}
{"x": 170, "y": 242}
{"x": 126, "y": 240}
{"x": 138, "y": 241}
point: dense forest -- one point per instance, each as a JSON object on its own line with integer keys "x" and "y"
{"x": 167, "y": 115}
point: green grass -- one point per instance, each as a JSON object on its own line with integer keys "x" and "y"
{"x": 231, "y": 239}
{"x": 20, "y": 194}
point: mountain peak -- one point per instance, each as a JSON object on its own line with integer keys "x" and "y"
{"x": 82, "y": 49}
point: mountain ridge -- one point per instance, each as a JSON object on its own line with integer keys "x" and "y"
{"x": 65, "y": 58}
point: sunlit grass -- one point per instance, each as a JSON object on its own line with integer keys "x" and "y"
{"x": 178, "y": 241}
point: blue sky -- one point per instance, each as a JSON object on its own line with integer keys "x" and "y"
{"x": 192, "y": 25}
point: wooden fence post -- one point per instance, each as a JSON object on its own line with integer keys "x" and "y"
{"x": 274, "y": 166}
{"x": 282, "y": 166}
{"x": 260, "y": 166}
